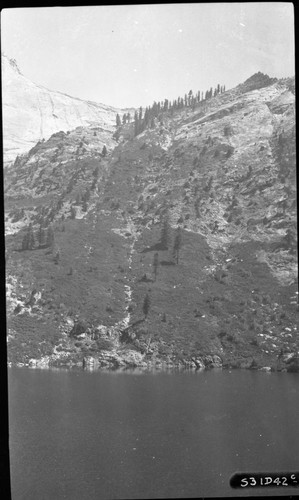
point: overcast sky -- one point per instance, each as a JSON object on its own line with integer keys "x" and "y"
{"x": 131, "y": 55}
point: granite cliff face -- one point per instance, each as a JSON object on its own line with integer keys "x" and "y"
{"x": 32, "y": 112}
{"x": 177, "y": 248}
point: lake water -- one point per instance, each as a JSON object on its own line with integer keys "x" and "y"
{"x": 109, "y": 435}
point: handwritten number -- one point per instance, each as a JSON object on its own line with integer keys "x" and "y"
{"x": 246, "y": 482}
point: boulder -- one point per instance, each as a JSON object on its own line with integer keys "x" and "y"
{"x": 289, "y": 357}
{"x": 110, "y": 358}
{"x": 217, "y": 361}
{"x": 79, "y": 327}
{"x": 198, "y": 363}
{"x": 132, "y": 358}
{"x": 212, "y": 361}
{"x": 90, "y": 361}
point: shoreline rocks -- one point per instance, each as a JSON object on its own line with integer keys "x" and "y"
{"x": 131, "y": 359}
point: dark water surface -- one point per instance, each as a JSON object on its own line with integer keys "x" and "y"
{"x": 96, "y": 435}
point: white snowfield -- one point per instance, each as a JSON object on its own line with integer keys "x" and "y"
{"x": 32, "y": 112}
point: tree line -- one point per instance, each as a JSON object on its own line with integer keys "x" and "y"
{"x": 146, "y": 118}
{"x": 165, "y": 242}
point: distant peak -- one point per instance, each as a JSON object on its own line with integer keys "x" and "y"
{"x": 257, "y": 81}
{"x": 258, "y": 77}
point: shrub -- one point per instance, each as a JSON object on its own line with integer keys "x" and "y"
{"x": 104, "y": 344}
{"x": 233, "y": 337}
{"x": 227, "y": 130}
{"x": 17, "y": 309}
{"x": 164, "y": 350}
{"x": 79, "y": 327}
{"x": 229, "y": 152}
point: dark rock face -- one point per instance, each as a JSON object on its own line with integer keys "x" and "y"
{"x": 257, "y": 81}
{"x": 180, "y": 253}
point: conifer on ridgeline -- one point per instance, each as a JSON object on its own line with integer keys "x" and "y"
{"x": 144, "y": 120}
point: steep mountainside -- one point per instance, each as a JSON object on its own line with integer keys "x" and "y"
{"x": 176, "y": 248}
{"x": 32, "y": 112}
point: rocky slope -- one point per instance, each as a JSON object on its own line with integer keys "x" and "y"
{"x": 178, "y": 248}
{"x": 32, "y": 112}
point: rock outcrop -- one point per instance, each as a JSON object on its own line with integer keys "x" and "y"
{"x": 32, "y": 112}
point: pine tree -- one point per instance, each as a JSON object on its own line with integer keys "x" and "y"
{"x": 193, "y": 103}
{"x": 118, "y": 121}
{"x": 124, "y": 118}
{"x": 177, "y": 244}
{"x": 156, "y": 264}
{"x": 31, "y": 238}
{"x": 146, "y": 305}
{"x": 146, "y": 117}
{"x": 78, "y": 199}
{"x": 25, "y": 241}
{"x": 165, "y": 233}
{"x": 41, "y": 236}
{"x": 28, "y": 242}
{"x": 136, "y": 124}
{"x": 57, "y": 256}
{"x": 196, "y": 207}
{"x": 104, "y": 151}
{"x": 50, "y": 238}
{"x": 86, "y": 195}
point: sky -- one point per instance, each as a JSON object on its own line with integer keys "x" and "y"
{"x": 131, "y": 55}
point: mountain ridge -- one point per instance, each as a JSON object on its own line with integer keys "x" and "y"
{"x": 171, "y": 250}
